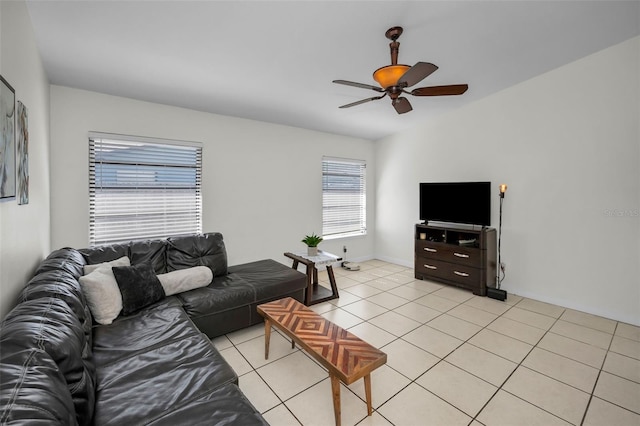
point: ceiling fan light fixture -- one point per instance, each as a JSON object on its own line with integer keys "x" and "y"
{"x": 395, "y": 78}
{"x": 388, "y": 76}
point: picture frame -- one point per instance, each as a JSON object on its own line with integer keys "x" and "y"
{"x": 22, "y": 153}
{"x": 7, "y": 141}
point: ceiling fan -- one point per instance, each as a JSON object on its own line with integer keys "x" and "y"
{"x": 394, "y": 79}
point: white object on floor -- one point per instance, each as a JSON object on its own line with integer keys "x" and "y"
{"x": 350, "y": 266}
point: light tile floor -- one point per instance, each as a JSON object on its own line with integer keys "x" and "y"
{"x": 453, "y": 359}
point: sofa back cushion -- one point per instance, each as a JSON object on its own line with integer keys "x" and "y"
{"x": 101, "y": 254}
{"x": 64, "y": 259}
{"x": 197, "y": 250}
{"x": 49, "y": 324}
{"x": 151, "y": 251}
{"x": 64, "y": 286}
{"x": 167, "y": 255}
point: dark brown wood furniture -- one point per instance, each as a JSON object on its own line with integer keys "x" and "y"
{"x": 344, "y": 355}
{"x": 315, "y": 292}
{"x": 460, "y": 256}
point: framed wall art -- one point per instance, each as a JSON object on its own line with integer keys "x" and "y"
{"x": 22, "y": 153}
{"x": 7, "y": 140}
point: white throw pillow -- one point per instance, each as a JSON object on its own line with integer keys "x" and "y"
{"x": 185, "y": 279}
{"x": 101, "y": 290}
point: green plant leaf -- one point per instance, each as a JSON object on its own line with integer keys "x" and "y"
{"x": 312, "y": 240}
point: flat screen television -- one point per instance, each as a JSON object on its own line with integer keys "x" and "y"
{"x": 456, "y": 202}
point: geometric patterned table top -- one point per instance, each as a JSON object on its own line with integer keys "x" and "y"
{"x": 338, "y": 350}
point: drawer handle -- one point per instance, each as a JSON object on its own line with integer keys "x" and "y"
{"x": 430, "y": 267}
{"x": 462, "y": 274}
{"x": 430, "y": 250}
{"x": 466, "y": 256}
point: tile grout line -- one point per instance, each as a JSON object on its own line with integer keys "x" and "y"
{"x": 443, "y": 359}
{"x": 556, "y": 319}
{"x": 511, "y": 374}
{"x": 474, "y": 417}
{"x": 595, "y": 384}
{"x": 465, "y": 341}
{"x": 255, "y": 370}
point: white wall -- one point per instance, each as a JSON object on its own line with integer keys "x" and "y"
{"x": 568, "y": 145}
{"x": 24, "y": 230}
{"x": 262, "y": 182}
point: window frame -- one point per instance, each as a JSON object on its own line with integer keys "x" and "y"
{"x": 338, "y": 168}
{"x": 167, "y": 203}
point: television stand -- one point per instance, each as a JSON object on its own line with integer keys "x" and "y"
{"x": 456, "y": 255}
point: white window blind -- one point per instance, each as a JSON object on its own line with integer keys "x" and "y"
{"x": 142, "y": 188}
{"x": 343, "y": 197}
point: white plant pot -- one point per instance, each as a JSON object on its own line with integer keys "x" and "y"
{"x": 312, "y": 251}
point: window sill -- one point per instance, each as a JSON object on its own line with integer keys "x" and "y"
{"x": 340, "y": 236}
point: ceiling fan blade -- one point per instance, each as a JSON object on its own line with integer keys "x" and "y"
{"x": 401, "y": 105}
{"x": 360, "y": 85}
{"x": 362, "y": 101}
{"x": 454, "y": 89}
{"x": 416, "y": 74}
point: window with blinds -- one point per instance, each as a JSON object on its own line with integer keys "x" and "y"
{"x": 344, "y": 210}
{"x": 142, "y": 188}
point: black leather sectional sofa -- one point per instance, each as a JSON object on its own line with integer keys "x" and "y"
{"x": 156, "y": 366}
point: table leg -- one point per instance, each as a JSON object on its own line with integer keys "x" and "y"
{"x": 332, "y": 281}
{"x": 267, "y": 337}
{"x": 335, "y": 391}
{"x": 309, "y": 285}
{"x": 367, "y": 392}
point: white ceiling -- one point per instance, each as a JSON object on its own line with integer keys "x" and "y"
{"x": 274, "y": 61}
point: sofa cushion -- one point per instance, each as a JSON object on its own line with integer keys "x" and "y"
{"x": 226, "y": 405}
{"x": 64, "y": 286}
{"x": 138, "y": 286}
{"x": 197, "y": 250}
{"x": 50, "y": 325}
{"x": 102, "y": 254}
{"x": 65, "y": 259}
{"x": 121, "y": 261}
{"x": 32, "y": 389}
{"x": 224, "y": 293}
{"x": 151, "y": 327}
{"x": 182, "y": 280}
{"x": 269, "y": 279}
{"x": 150, "y": 251}
{"x": 158, "y": 381}
{"x": 102, "y": 292}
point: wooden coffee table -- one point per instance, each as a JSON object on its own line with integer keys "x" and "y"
{"x": 344, "y": 355}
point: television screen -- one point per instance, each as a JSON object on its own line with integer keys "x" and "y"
{"x": 456, "y": 202}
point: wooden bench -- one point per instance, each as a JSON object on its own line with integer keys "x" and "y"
{"x": 343, "y": 354}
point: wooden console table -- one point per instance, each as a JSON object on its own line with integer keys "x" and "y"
{"x": 316, "y": 293}
{"x": 456, "y": 255}
{"x": 343, "y": 354}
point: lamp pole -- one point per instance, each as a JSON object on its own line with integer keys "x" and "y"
{"x": 500, "y": 240}
{"x": 496, "y": 293}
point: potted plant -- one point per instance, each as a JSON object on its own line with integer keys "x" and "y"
{"x": 312, "y": 242}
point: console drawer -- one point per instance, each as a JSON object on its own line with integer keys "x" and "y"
{"x": 466, "y": 276}
{"x": 468, "y": 256}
